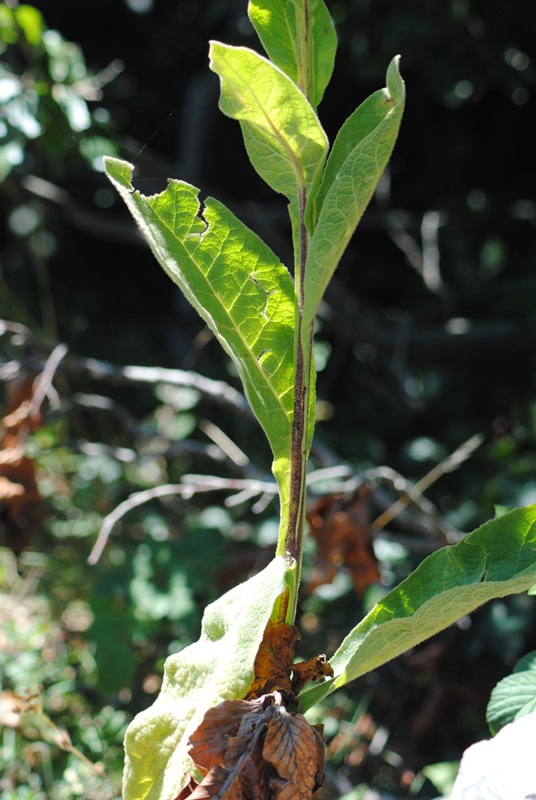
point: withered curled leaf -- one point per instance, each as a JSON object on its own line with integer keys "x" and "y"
{"x": 256, "y": 750}
{"x": 273, "y": 663}
{"x": 305, "y": 671}
{"x": 274, "y": 667}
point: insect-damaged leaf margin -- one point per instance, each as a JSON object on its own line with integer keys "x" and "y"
{"x": 219, "y": 666}
{"x": 237, "y": 285}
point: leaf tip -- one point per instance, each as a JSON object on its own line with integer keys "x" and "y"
{"x": 395, "y": 83}
{"x": 119, "y": 172}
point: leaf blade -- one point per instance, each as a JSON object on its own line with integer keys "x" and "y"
{"x": 358, "y": 158}
{"x": 236, "y": 284}
{"x": 219, "y": 666}
{"x": 495, "y": 560}
{"x": 300, "y": 39}
{"x": 513, "y": 697}
{"x": 283, "y": 137}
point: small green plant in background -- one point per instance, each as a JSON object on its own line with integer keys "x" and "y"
{"x": 201, "y": 729}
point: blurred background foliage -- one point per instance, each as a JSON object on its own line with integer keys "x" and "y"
{"x": 426, "y": 338}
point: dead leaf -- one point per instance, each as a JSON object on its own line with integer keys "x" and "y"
{"x": 188, "y": 789}
{"x": 256, "y": 750}
{"x": 22, "y": 509}
{"x": 297, "y": 750}
{"x": 304, "y": 672}
{"x": 340, "y": 527}
{"x": 273, "y": 663}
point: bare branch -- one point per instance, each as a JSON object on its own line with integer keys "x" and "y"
{"x": 43, "y": 384}
{"x": 134, "y": 500}
{"x": 218, "y": 392}
{"x": 413, "y": 493}
{"x": 190, "y": 485}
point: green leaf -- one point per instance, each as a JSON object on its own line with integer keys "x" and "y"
{"x": 238, "y": 286}
{"x": 514, "y": 696}
{"x": 526, "y": 662}
{"x": 496, "y": 560}
{"x": 283, "y": 137}
{"x": 217, "y": 667}
{"x": 300, "y": 39}
{"x": 358, "y": 158}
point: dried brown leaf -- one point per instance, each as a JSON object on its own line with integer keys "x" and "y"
{"x": 188, "y": 789}
{"x": 340, "y": 527}
{"x": 305, "y": 671}
{"x": 274, "y": 667}
{"x": 255, "y": 750}
{"x": 273, "y": 663}
{"x": 296, "y": 750}
{"x": 22, "y": 509}
{"x": 210, "y": 741}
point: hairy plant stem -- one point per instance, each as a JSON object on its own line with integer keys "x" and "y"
{"x": 291, "y": 536}
{"x": 293, "y": 541}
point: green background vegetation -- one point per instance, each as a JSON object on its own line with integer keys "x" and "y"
{"x": 426, "y": 337}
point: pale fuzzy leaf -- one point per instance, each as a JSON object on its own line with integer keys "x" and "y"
{"x": 283, "y": 137}
{"x": 238, "y": 286}
{"x": 496, "y": 560}
{"x": 359, "y": 156}
{"x": 217, "y": 667}
{"x": 300, "y": 39}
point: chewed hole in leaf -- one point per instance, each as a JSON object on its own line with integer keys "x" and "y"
{"x": 148, "y": 187}
{"x": 213, "y": 257}
{"x": 200, "y": 225}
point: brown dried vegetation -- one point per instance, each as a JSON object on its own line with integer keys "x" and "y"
{"x": 259, "y": 748}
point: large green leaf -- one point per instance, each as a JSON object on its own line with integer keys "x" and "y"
{"x": 283, "y": 137}
{"x": 359, "y": 156}
{"x": 300, "y": 39}
{"x": 217, "y": 667}
{"x": 238, "y": 286}
{"x": 496, "y": 560}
